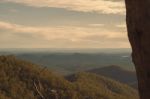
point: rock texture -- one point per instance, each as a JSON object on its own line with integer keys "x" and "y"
{"x": 138, "y": 24}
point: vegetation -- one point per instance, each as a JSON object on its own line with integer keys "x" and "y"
{"x": 125, "y": 76}
{"x": 23, "y": 80}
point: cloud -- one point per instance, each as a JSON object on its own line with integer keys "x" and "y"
{"x": 115, "y": 0}
{"x": 13, "y": 10}
{"x": 58, "y": 31}
{"x": 54, "y": 36}
{"x": 99, "y": 6}
{"x": 121, "y": 25}
{"x": 96, "y": 25}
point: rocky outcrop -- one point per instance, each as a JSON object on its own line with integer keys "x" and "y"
{"x": 138, "y": 24}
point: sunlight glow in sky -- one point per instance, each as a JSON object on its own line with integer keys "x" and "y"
{"x": 63, "y": 24}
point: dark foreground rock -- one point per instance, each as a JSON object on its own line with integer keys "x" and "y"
{"x": 138, "y": 24}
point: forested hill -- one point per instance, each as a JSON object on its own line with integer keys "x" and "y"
{"x": 118, "y": 74}
{"x": 23, "y": 80}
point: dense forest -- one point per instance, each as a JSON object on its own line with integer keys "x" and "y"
{"x": 20, "y": 79}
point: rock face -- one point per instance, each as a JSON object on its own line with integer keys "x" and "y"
{"x": 138, "y": 24}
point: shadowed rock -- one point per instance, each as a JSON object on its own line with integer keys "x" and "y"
{"x": 138, "y": 24}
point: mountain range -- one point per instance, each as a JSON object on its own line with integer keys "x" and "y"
{"x": 117, "y": 73}
{"x": 21, "y": 79}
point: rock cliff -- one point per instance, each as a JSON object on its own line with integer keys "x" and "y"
{"x": 138, "y": 24}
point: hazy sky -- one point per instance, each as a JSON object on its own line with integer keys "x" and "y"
{"x": 62, "y": 24}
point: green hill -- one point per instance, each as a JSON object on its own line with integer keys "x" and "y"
{"x": 23, "y": 80}
{"x": 117, "y": 73}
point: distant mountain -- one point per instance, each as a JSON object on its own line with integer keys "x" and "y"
{"x": 65, "y": 50}
{"x": 23, "y": 80}
{"x": 118, "y": 74}
{"x": 74, "y": 62}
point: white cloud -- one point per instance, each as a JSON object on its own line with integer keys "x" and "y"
{"x": 121, "y": 25}
{"x": 82, "y": 36}
{"x": 100, "y": 6}
{"x": 96, "y": 25}
{"x": 59, "y": 31}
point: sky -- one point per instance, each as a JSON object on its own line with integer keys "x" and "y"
{"x": 63, "y": 24}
